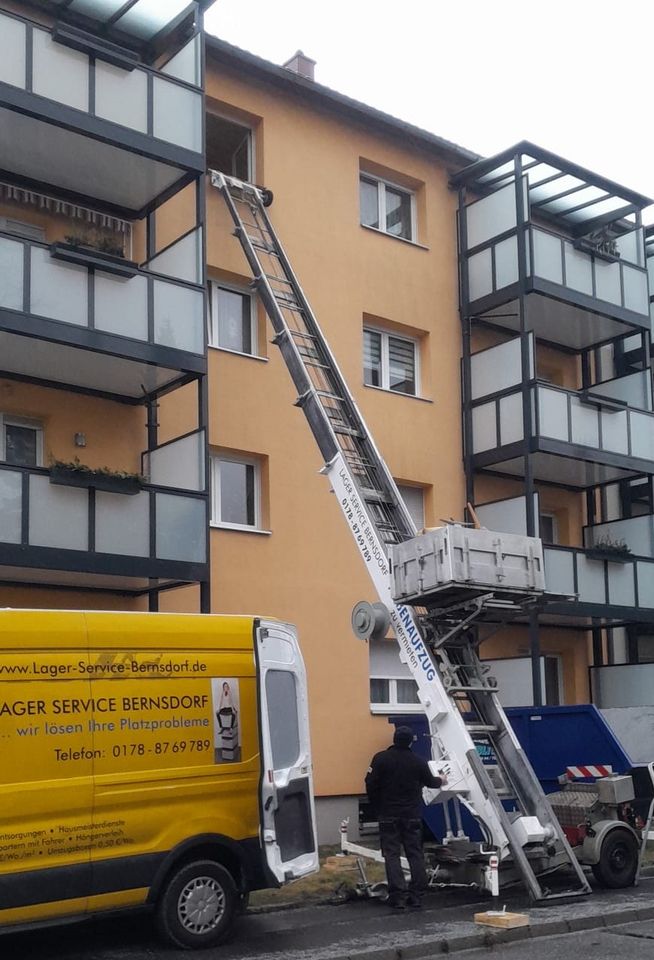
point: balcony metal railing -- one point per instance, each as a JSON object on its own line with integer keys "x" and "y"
{"x": 564, "y": 416}
{"x": 137, "y": 98}
{"x": 556, "y": 260}
{"x": 140, "y": 306}
{"x": 630, "y": 584}
{"x": 154, "y": 524}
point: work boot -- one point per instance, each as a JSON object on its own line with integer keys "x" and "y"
{"x": 396, "y": 903}
{"x": 414, "y": 902}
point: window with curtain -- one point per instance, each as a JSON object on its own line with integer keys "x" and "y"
{"x": 390, "y": 362}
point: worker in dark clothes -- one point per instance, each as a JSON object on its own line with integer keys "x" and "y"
{"x": 394, "y": 785}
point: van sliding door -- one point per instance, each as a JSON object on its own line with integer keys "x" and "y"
{"x": 288, "y": 830}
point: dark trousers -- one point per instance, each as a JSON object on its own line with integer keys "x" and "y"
{"x": 395, "y": 834}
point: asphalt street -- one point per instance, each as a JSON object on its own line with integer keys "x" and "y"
{"x": 620, "y": 923}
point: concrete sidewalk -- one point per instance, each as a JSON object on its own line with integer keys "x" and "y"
{"x": 368, "y": 930}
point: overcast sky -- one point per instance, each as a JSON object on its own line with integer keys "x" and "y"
{"x": 574, "y": 76}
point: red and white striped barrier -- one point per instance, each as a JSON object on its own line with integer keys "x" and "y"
{"x": 590, "y": 771}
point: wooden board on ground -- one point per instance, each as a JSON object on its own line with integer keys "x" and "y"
{"x": 506, "y": 921}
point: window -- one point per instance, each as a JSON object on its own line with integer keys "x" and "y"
{"x": 386, "y": 207}
{"x": 549, "y": 528}
{"x": 229, "y": 147}
{"x": 235, "y": 492}
{"x": 414, "y": 501}
{"x": 392, "y": 687}
{"x": 21, "y": 441}
{"x": 390, "y": 362}
{"x": 233, "y": 320}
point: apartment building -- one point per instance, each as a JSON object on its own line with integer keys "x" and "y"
{"x": 151, "y": 456}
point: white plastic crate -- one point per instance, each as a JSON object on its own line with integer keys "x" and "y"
{"x": 441, "y": 565}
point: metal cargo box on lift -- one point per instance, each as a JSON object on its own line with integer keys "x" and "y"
{"x": 442, "y": 565}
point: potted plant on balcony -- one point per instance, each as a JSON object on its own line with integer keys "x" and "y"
{"x": 72, "y": 473}
{"x": 105, "y": 252}
{"x": 605, "y": 548}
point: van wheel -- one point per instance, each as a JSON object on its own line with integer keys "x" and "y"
{"x": 618, "y": 860}
{"x": 197, "y": 905}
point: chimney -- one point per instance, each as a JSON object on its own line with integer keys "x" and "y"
{"x": 301, "y": 64}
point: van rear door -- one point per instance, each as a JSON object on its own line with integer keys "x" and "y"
{"x": 288, "y": 823}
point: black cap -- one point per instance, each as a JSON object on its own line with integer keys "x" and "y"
{"x": 403, "y": 737}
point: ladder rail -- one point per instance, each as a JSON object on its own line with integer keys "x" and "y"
{"x": 377, "y": 517}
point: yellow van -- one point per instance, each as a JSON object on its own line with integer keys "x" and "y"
{"x": 150, "y": 759}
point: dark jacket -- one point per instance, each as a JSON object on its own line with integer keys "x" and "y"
{"x": 394, "y": 783}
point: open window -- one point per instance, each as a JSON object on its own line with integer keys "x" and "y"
{"x": 229, "y": 147}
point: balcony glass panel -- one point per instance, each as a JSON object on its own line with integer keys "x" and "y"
{"x": 480, "y": 274}
{"x": 10, "y": 506}
{"x": 506, "y": 262}
{"x": 121, "y": 96}
{"x": 181, "y": 260}
{"x": 185, "y": 65}
{"x": 59, "y": 516}
{"x": 177, "y": 114}
{"x": 548, "y": 261}
{"x": 12, "y": 51}
{"x": 623, "y": 685}
{"x": 121, "y": 305}
{"x": 179, "y": 463}
{"x": 60, "y": 73}
{"x": 484, "y": 427}
{"x": 578, "y": 270}
{"x": 11, "y": 274}
{"x": 58, "y": 290}
{"x": 585, "y": 424}
{"x": 181, "y": 528}
{"x": 491, "y": 216}
{"x": 645, "y": 584}
{"x": 630, "y": 247}
{"x": 122, "y": 524}
{"x": 642, "y": 435}
{"x": 635, "y": 289}
{"x": 553, "y": 413}
{"x": 622, "y": 588}
{"x": 634, "y": 389}
{"x": 590, "y": 579}
{"x": 511, "y": 425}
{"x": 614, "y": 431}
{"x": 607, "y": 281}
{"x": 559, "y": 571}
{"x": 178, "y": 317}
{"x": 497, "y": 368}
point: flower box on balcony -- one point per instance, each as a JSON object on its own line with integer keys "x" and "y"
{"x": 71, "y": 475}
{"x": 613, "y": 552}
{"x": 89, "y": 257}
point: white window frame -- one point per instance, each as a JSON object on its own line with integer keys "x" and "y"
{"x": 385, "y": 362}
{"x": 216, "y": 459}
{"x": 8, "y": 419}
{"x": 381, "y": 205}
{"x": 394, "y": 705}
{"x": 217, "y": 285}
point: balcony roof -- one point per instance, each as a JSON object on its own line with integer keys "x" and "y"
{"x": 578, "y": 199}
{"x": 137, "y": 22}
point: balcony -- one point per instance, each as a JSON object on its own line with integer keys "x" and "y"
{"x": 135, "y": 132}
{"x": 71, "y": 321}
{"x": 86, "y": 537}
{"x": 608, "y": 589}
{"x": 579, "y": 438}
{"x": 542, "y": 226}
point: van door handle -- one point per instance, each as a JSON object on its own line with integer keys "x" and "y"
{"x": 268, "y": 804}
